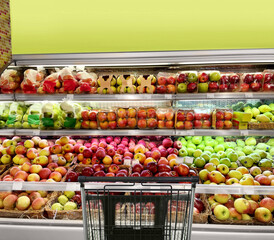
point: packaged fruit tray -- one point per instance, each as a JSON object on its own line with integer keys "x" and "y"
{"x": 29, "y": 213}
{"x": 61, "y": 214}
{"x": 126, "y": 117}
{"x": 8, "y": 173}
{"x": 261, "y": 126}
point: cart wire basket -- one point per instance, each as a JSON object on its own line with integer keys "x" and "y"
{"x": 140, "y": 208}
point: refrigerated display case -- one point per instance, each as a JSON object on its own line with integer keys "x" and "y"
{"x": 238, "y": 61}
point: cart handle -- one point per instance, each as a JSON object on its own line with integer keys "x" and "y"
{"x": 192, "y": 179}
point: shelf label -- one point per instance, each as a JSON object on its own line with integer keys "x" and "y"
{"x": 180, "y": 160}
{"x": 17, "y": 186}
{"x": 210, "y": 95}
{"x": 249, "y": 95}
{"x": 36, "y": 132}
{"x": 244, "y": 133}
{"x": 188, "y": 160}
{"x": 128, "y": 162}
{"x": 147, "y": 96}
{"x": 134, "y": 161}
{"x": 72, "y": 186}
{"x": 189, "y": 132}
{"x": 70, "y": 97}
{"x": 249, "y": 190}
{"x": 168, "y": 96}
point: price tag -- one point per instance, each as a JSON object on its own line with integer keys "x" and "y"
{"x": 134, "y": 161}
{"x": 17, "y": 186}
{"x": 72, "y": 186}
{"x": 244, "y": 133}
{"x": 168, "y": 96}
{"x": 134, "y": 132}
{"x": 180, "y": 160}
{"x": 54, "y": 158}
{"x": 249, "y": 95}
{"x": 147, "y": 96}
{"x": 190, "y": 132}
{"x": 249, "y": 190}
{"x": 36, "y": 132}
{"x": 188, "y": 160}
{"x": 210, "y": 95}
{"x": 128, "y": 162}
{"x": 70, "y": 97}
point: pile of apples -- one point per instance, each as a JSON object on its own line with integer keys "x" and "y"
{"x": 37, "y": 159}
{"x": 238, "y": 207}
{"x": 68, "y": 201}
{"x": 223, "y": 175}
{"x": 23, "y": 201}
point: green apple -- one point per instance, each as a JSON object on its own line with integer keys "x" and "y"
{"x": 203, "y": 174}
{"x": 182, "y": 140}
{"x": 202, "y": 146}
{"x": 215, "y": 161}
{"x": 210, "y": 167}
{"x": 205, "y": 156}
{"x": 192, "y": 77}
{"x": 207, "y": 138}
{"x": 190, "y": 151}
{"x": 248, "y": 150}
{"x": 70, "y": 206}
{"x": 191, "y": 145}
{"x": 246, "y": 217}
{"x": 219, "y": 148}
{"x": 235, "y": 174}
{"x": 222, "y": 198}
{"x": 199, "y": 162}
{"x": 220, "y": 139}
{"x": 240, "y": 143}
{"x": 242, "y": 205}
{"x": 221, "y": 154}
{"x": 221, "y": 212}
{"x": 255, "y": 156}
{"x": 57, "y": 206}
{"x": 183, "y": 152}
{"x": 69, "y": 194}
{"x": 203, "y": 87}
{"x": 197, "y": 140}
{"x": 62, "y": 199}
{"x": 225, "y": 161}
{"x": 262, "y": 153}
{"x": 265, "y": 163}
{"x": 222, "y": 168}
{"x": 233, "y": 156}
{"x": 214, "y": 155}
{"x": 234, "y": 165}
{"x": 250, "y": 141}
{"x": 210, "y": 143}
{"x": 240, "y": 153}
{"x": 188, "y": 137}
{"x": 247, "y": 180}
{"x": 182, "y": 88}
{"x": 246, "y": 161}
{"x": 227, "y": 151}
{"x": 197, "y": 153}
{"x": 214, "y": 76}
{"x": 209, "y": 148}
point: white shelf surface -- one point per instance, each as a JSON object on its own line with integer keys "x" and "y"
{"x": 44, "y": 229}
{"x": 138, "y": 132}
{"x": 75, "y": 186}
{"x": 137, "y": 97}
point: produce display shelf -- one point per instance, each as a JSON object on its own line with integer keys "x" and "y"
{"x": 7, "y": 132}
{"x": 135, "y": 97}
{"x": 137, "y": 132}
{"x": 221, "y": 132}
{"x": 73, "y": 229}
{"x": 88, "y": 132}
{"x": 94, "y": 97}
{"x": 6, "y": 97}
{"x": 75, "y": 186}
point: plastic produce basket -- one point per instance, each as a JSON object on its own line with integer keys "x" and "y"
{"x": 137, "y": 208}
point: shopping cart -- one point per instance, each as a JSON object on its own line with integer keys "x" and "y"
{"x": 133, "y": 208}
